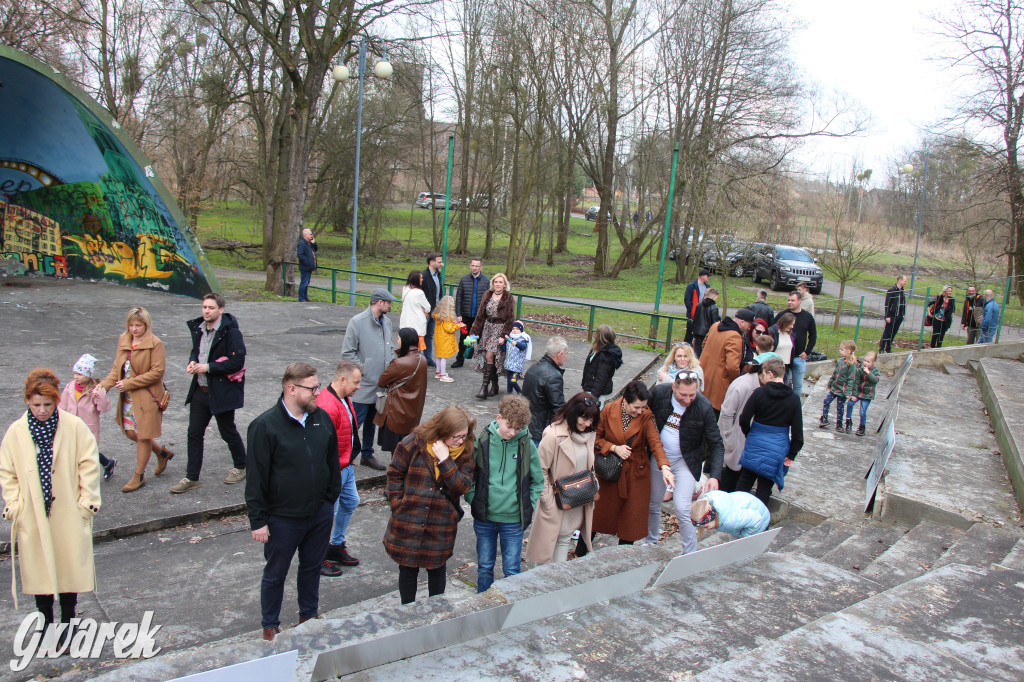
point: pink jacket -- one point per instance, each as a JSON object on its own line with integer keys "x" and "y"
{"x": 87, "y": 408}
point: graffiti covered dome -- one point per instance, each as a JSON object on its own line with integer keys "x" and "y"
{"x": 78, "y": 198}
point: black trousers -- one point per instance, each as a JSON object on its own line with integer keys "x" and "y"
{"x": 729, "y": 480}
{"x": 764, "y": 485}
{"x": 68, "y": 604}
{"x": 436, "y": 581}
{"x": 460, "y": 359}
{"x": 888, "y": 334}
{"x": 938, "y": 333}
{"x": 198, "y": 419}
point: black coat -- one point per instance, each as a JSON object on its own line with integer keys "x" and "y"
{"x": 895, "y": 303}
{"x": 227, "y": 343}
{"x": 700, "y": 441}
{"x": 762, "y": 310}
{"x": 306, "y": 254}
{"x": 543, "y": 387}
{"x": 967, "y": 319}
{"x": 429, "y": 290}
{"x": 599, "y": 368}
{"x": 947, "y": 319}
{"x": 706, "y": 315}
{"x": 464, "y": 295}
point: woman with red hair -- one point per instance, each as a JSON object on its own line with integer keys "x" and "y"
{"x": 50, "y": 481}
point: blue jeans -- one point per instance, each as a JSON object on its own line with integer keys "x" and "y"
{"x": 304, "y": 277}
{"x": 346, "y": 503}
{"x": 487, "y": 535}
{"x": 829, "y": 397}
{"x": 365, "y": 412}
{"x": 987, "y": 337}
{"x": 428, "y": 340}
{"x": 308, "y": 535}
{"x": 864, "y": 405}
{"x": 799, "y": 369}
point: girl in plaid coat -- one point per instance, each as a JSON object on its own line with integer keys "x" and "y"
{"x": 431, "y": 469}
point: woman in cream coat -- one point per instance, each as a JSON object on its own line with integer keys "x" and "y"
{"x": 50, "y": 515}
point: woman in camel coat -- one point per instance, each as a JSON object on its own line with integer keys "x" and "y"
{"x": 566, "y": 447}
{"x": 623, "y": 507}
{"x": 51, "y": 516}
{"x": 138, "y": 374}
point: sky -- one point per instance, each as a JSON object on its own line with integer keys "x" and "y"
{"x": 880, "y": 53}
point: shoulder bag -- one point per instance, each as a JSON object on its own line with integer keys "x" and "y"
{"x": 608, "y": 465}
{"x": 575, "y": 490}
{"x": 382, "y": 398}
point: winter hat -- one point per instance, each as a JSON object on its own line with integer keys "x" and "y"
{"x": 519, "y": 324}
{"x": 85, "y": 365}
{"x": 702, "y": 513}
{"x": 745, "y": 315}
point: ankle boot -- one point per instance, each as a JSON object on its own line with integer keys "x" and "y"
{"x": 839, "y": 425}
{"x": 849, "y": 426}
{"x": 162, "y": 459}
{"x": 494, "y": 381}
{"x": 138, "y": 480}
{"x": 484, "y": 388}
{"x": 823, "y": 421}
{"x": 860, "y": 430}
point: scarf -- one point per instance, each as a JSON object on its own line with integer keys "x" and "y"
{"x": 452, "y": 452}
{"x": 43, "y": 434}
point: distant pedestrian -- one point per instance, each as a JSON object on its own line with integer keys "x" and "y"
{"x": 940, "y": 314}
{"x": 772, "y": 421}
{"x": 493, "y": 323}
{"x": 432, "y": 468}
{"x": 405, "y": 381}
{"x": 306, "y": 252}
{"x": 865, "y": 382}
{"x": 807, "y": 301}
{"x": 805, "y": 335}
{"x": 692, "y": 296}
{"x": 722, "y": 359}
{"x": 292, "y": 482}
{"x": 760, "y": 307}
{"x": 840, "y": 384}
{"x": 138, "y": 374}
{"x": 895, "y": 311}
{"x": 973, "y": 311}
{"x": 739, "y": 514}
{"x": 80, "y": 400}
{"x": 217, "y": 389}
{"x": 368, "y": 341}
{"x": 336, "y": 401}
{"x": 518, "y": 351}
{"x": 990, "y": 318}
{"x": 433, "y": 288}
{"x": 706, "y": 314}
{"x": 681, "y": 358}
{"x": 543, "y": 386}
{"x": 467, "y": 300}
{"x": 446, "y": 331}
{"x": 507, "y": 483}
{"x": 415, "y": 308}
{"x": 599, "y": 368}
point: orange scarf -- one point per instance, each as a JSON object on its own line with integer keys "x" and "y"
{"x": 452, "y": 452}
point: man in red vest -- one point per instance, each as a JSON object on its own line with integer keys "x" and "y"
{"x": 336, "y": 401}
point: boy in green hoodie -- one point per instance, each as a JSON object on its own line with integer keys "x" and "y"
{"x": 507, "y": 483}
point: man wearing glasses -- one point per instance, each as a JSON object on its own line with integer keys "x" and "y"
{"x": 974, "y": 306}
{"x": 292, "y": 483}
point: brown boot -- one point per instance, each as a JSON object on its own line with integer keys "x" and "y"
{"x": 162, "y": 459}
{"x": 484, "y": 392}
{"x": 494, "y": 381}
{"x": 138, "y": 480}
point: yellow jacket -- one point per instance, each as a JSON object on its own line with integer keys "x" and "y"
{"x": 446, "y": 343}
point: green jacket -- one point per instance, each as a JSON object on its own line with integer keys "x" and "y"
{"x": 508, "y": 480}
{"x": 842, "y": 381}
{"x": 865, "y": 383}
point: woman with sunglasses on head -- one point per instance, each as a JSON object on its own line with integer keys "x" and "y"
{"x": 406, "y": 382}
{"x": 566, "y": 447}
{"x": 431, "y": 469}
{"x": 681, "y": 358}
{"x": 627, "y": 430}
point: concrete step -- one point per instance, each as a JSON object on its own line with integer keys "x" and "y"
{"x": 1015, "y": 559}
{"x": 859, "y": 550}
{"x": 958, "y": 622}
{"x": 982, "y": 545}
{"x": 789, "y": 530}
{"x": 954, "y": 369}
{"x": 688, "y": 626}
{"x": 821, "y": 539}
{"x": 913, "y": 554}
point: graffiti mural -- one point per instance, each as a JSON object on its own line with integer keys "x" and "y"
{"x": 82, "y": 200}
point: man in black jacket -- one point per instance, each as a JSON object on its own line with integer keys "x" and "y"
{"x": 968, "y": 321}
{"x": 217, "y": 388}
{"x": 692, "y": 296}
{"x": 692, "y": 441}
{"x": 895, "y": 309}
{"x": 543, "y": 386}
{"x": 306, "y": 254}
{"x": 433, "y": 289}
{"x": 760, "y": 307}
{"x": 294, "y": 479}
{"x": 467, "y": 300}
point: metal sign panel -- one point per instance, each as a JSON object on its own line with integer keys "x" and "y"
{"x": 901, "y": 374}
{"x": 888, "y": 420}
{"x": 579, "y": 596}
{"x": 421, "y": 640}
{"x": 276, "y": 668}
{"x": 885, "y": 447}
{"x": 715, "y": 557}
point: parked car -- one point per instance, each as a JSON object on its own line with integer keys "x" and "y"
{"x": 428, "y": 200}
{"x": 739, "y": 260}
{"x": 592, "y": 212}
{"x": 787, "y": 266}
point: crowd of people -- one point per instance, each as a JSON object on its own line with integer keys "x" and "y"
{"x": 721, "y": 419}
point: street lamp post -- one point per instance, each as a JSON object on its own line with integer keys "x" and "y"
{"x": 920, "y": 215}
{"x": 382, "y": 69}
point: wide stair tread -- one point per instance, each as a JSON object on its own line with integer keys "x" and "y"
{"x": 981, "y": 545}
{"x": 821, "y": 539}
{"x": 1015, "y": 559}
{"x": 913, "y": 554}
{"x": 858, "y": 551}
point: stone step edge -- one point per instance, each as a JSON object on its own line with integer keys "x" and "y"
{"x": 1007, "y": 440}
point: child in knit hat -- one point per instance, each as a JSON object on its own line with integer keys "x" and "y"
{"x": 518, "y": 349}
{"x": 739, "y": 514}
{"x": 78, "y": 399}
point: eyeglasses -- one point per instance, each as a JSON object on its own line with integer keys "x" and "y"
{"x": 687, "y": 374}
{"x": 459, "y": 438}
{"x": 681, "y": 345}
{"x": 312, "y": 389}
{"x": 757, "y": 332}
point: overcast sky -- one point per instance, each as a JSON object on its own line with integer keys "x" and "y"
{"x": 878, "y": 52}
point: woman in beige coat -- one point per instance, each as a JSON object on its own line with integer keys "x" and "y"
{"x": 50, "y": 481}
{"x": 138, "y": 374}
{"x": 566, "y": 447}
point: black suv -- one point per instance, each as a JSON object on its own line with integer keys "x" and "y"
{"x": 787, "y": 266}
{"x": 740, "y": 257}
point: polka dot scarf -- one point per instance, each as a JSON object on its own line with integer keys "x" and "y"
{"x": 43, "y": 434}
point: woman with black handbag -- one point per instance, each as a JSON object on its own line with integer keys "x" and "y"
{"x": 566, "y": 449}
